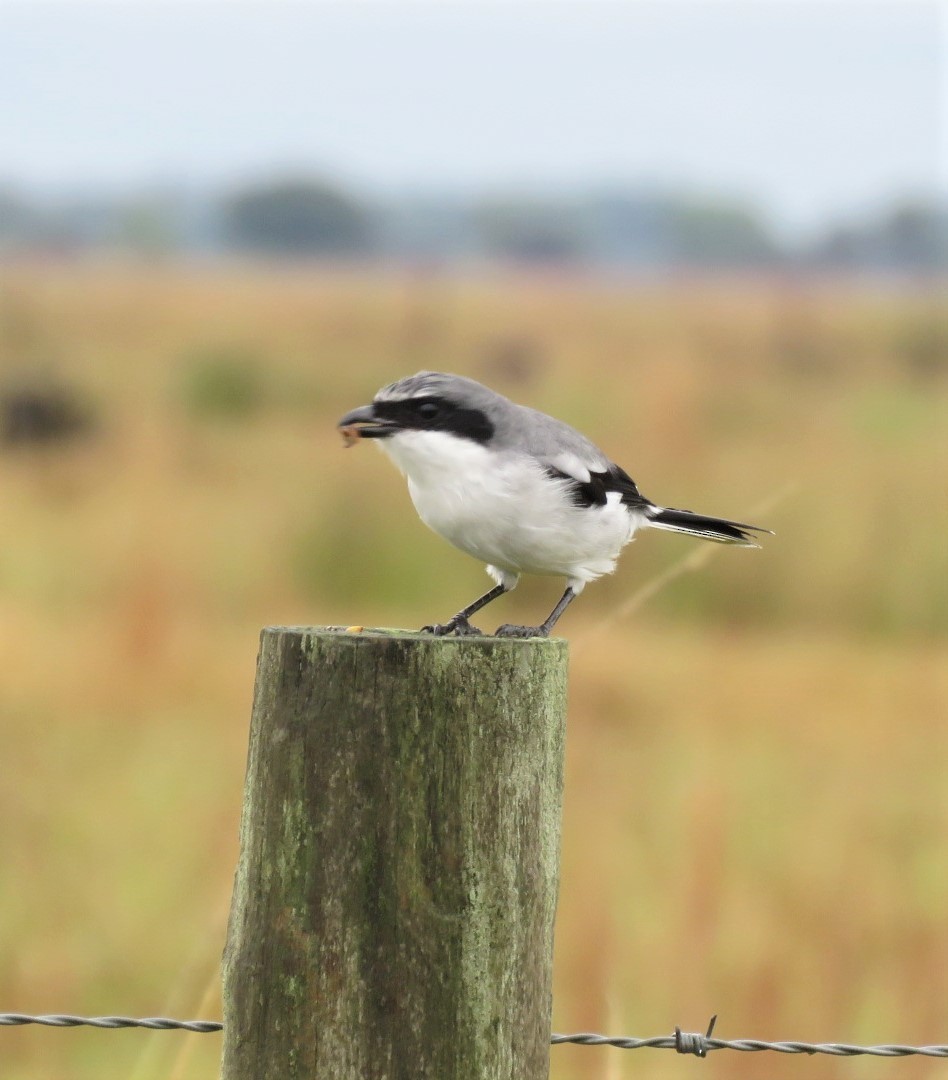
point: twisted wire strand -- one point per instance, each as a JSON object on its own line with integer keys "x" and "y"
{"x": 699, "y": 1045}
{"x": 158, "y": 1023}
{"x": 683, "y": 1042}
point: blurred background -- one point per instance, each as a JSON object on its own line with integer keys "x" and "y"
{"x": 713, "y": 236}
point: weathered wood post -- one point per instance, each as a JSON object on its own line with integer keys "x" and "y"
{"x": 393, "y": 906}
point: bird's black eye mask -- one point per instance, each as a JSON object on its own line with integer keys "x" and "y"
{"x": 435, "y": 414}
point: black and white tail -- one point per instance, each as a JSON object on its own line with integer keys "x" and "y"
{"x": 720, "y": 530}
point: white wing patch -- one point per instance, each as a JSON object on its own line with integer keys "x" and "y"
{"x": 570, "y": 465}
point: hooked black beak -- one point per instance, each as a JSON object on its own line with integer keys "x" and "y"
{"x": 367, "y": 424}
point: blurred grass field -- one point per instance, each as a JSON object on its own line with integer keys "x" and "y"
{"x": 757, "y": 802}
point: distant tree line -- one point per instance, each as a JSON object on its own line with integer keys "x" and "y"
{"x": 307, "y": 217}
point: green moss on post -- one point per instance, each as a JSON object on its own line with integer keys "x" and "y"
{"x": 394, "y": 900}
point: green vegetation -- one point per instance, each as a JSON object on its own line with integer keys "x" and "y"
{"x": 225, "y": 383}
{"x": 755, "y": 801}
{"x": 298, "y": 217}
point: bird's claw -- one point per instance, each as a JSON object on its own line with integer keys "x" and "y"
{"x": 460, "y": 627}
{"x": 512, "y": 630}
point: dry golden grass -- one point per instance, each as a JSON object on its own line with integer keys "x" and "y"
{"x": 756, "y": 805}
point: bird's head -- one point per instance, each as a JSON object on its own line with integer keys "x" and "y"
{"x": 427, "y": 402}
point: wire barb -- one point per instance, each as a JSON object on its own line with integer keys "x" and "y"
{"x": 694, "y": 1042}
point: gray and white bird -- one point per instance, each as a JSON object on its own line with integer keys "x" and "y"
{"x": 519, "y": 490}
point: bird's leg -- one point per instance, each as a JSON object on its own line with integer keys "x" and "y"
{"x": 459, "y": 623}
{"x": 510, "y": 630}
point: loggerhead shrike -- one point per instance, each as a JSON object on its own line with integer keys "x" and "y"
{"x": 518, "y": 489}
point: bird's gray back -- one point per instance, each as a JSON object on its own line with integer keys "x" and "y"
{"x": 545, "y": 437}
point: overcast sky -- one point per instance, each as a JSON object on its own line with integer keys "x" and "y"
{"x": 810, "y": 109}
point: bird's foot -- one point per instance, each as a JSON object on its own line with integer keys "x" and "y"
{"x": 459, "y": 626}
{"x": 511, "y": 630}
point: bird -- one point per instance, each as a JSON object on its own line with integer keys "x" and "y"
{"x": 517, "y": 489}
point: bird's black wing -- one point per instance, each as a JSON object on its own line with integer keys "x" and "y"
{"x": 595, "y": 490}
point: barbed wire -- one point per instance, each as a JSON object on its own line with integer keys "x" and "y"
{"x": 683, "y": 1042}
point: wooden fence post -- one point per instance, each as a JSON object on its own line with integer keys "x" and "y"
{"x": 393, "y": 905}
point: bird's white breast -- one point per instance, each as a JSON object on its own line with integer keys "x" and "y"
{"x": 503, "y": 508}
